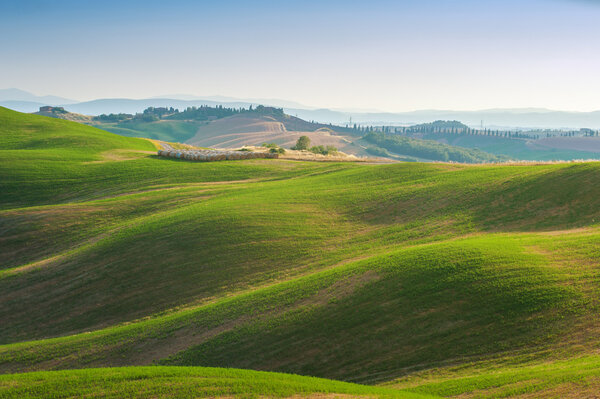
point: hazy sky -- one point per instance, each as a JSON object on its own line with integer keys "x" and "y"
{"x": 388, "y": 55}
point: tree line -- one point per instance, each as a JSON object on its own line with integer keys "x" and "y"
{"x": 458, "y": 128}
{"x": 201, "y": 113}
{"x": 427, "y": 149}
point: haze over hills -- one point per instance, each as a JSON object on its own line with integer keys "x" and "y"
{"x": 23, "y": 101}
{"x": 494, "y": 118}
{"x": 273, "y": 102}
{"x": 515, "y": 117}
{"x": 21, "y": 95}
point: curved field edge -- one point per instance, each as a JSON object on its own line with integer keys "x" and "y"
{"x": 183, "y": 382}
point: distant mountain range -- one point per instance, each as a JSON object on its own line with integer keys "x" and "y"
{"x": 23, "y": 101}
{"x": 16, "y": 95}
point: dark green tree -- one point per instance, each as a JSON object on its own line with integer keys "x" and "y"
{"x": 303, "y": 143}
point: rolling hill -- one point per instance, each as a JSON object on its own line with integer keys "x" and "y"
{"x": 244, "y": 127}
{"x": 426, "y": 149}
{"x": 430, "y": 279}
{"x": 544, "y": 149}
{"x": 236, "y": 127}
{"x": 272, "y": 127}
{"x": 170, "y": 131}
{"x": 61, "y": 113}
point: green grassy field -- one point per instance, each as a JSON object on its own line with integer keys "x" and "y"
{"x": 576, "y": 377}
{"x": 439, "y": 279}
{"x": 177, "y": 131}
{"x": 183, "y": 382}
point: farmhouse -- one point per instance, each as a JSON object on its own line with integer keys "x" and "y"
{"x": 48, "y": 108}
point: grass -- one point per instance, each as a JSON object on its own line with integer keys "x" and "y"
{"x": 182, "y": 382}
{"x": 419, "y": 275}
{"x": 211, "y": 240}
{"x": 490, "y": 295}
{"x": 541, "y": 379}
{"x": 465, "y": 291}
{"x": 177, "y": 131}
{"x": 48, "y": 161}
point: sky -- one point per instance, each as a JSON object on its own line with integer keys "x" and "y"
{"x": 367, "y": 55}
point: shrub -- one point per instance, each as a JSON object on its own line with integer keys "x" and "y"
{"x": 377, "y": 151}
{"x": 329, "y": 150}
{"x": 317, "y": 149}
{"x": 302, "y": 143}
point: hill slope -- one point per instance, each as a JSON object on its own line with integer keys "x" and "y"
{"x": 272, "y": 125}
{"x": 61, "y": 113}
{"x": 218, "y": 127}
{"x": 171, "y": 131}
{"x": 545, "y": 149}
{"x": 429, "y": 149}
{"x": 240, "y": 130}
{"x": 368, "y": 273}
{"x": 180, "y": 382}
